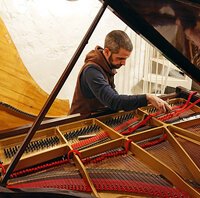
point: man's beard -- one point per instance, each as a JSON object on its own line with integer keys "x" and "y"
{"x": 113, "y": 66}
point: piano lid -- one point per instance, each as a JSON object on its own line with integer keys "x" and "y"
{"x": 172, "y": 26}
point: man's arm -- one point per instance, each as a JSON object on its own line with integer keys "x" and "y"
{"x": 94, "y": 84}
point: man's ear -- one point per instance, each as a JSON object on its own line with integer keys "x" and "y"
{"x": 107, "y": 52}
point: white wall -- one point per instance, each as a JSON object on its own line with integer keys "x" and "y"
{"x": 47, "y": 33}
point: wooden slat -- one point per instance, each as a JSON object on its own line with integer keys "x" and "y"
{"x": 18, "y": 88}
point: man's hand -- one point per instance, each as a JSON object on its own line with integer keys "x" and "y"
{"x": 158, "y": 103}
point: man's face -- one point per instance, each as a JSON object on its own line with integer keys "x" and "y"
{"x": 119, "y": 59}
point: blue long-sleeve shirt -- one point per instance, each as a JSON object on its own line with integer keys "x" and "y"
{"x": 94, "y": 84}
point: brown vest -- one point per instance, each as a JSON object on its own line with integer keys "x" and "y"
{"x": 82, "y": 104}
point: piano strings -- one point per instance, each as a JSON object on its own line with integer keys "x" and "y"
{"x": 114, "y": 168}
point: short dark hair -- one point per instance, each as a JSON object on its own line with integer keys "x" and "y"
{"x": 117, "y": 39}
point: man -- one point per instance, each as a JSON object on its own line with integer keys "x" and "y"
{"x": 95, "y": 87}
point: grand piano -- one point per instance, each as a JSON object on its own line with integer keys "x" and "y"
{"x": 139, "y": 153}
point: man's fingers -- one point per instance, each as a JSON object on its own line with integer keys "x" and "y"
{"x": 168, "y": 107}
{"x": 160, "y": 104}
{"x": 163, "y": 106}
{"x": 164, "y": 109}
